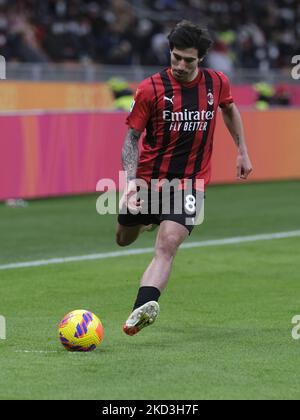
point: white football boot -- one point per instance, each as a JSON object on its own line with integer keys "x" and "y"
{"x": 141, "y": 317}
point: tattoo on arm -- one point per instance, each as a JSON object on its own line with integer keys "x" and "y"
{"x": 130, "y": 153}
{"x": 233, "y": 121}
{"x": 237, "y": 140}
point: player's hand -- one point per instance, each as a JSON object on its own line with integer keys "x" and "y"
{"x": 130, "y": 199}
{"x": 243, "y": 166}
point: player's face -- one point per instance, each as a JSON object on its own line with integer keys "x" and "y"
{"x": 184, "y": 64}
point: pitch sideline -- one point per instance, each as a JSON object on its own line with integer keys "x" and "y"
{"x": 141, "y": 251}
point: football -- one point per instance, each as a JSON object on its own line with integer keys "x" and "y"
{"x": 81, "y": 331}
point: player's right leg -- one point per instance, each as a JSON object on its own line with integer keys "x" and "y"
{"x": 126, "y": 235}
{"x": 130, "y": 226}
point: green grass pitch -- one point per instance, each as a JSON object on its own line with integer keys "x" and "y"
{"x": 224, "y": 331}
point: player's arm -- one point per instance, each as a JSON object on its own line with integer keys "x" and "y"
{"x": 130, "y": 153}
{"x": 130, "y": 157}
{"x": 137, "y": 122}
{"x": 233, "y": 121}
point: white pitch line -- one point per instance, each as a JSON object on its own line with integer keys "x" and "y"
{"x": 141, "y": 251}
{"x": 36, "y": 351}
{"x": 71, "y": 353}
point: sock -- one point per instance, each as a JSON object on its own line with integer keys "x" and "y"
{"x": 146, "y": 294}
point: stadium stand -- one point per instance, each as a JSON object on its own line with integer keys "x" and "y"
{"x": 250, "y": 33}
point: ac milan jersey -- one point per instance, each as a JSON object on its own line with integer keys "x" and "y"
{"x": 180, "y": 120}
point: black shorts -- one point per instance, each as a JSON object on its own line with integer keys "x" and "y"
{"x": 178, "y": 206}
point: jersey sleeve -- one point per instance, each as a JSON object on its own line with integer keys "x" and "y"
{"x": 226, "y": 95}
{"x": 141, "y": 108}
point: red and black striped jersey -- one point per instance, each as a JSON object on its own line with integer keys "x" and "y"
{"x": 180, "y": 121}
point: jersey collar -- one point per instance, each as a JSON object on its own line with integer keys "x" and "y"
{"x": 188, "y": 84}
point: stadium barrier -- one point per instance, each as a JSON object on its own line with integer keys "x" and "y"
{"x": 20, "y": 96}
{"x": 54, "y": 154}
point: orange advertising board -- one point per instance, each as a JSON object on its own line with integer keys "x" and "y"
{"x": 22, "y": 96}
{"x": 273, "y": 139}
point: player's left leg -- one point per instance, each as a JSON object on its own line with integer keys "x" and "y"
{"x": 170, "y": 236}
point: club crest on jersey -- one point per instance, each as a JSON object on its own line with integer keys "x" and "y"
{"x": 210, "y": 98}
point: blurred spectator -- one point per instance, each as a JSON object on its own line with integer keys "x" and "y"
{"x": 264, "y": 95}
{"x": 122, "y": 93}
{"x": 282, "y": 95}
{"x": 267, "y": 95}
{"x": 220, "y": 59}
{"x": 248, "y": 33}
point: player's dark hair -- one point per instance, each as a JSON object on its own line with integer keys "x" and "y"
{"x": 188, "y": 35}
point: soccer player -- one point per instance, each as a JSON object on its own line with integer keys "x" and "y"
{"x": 178, "y": 109}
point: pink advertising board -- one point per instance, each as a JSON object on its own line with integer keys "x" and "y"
{"x": 58, "y": 154}
{"x": 45, "y": 155}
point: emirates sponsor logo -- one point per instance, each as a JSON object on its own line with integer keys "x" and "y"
{"x": 187, "y": 115}
{"x": 188, "y": 120}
